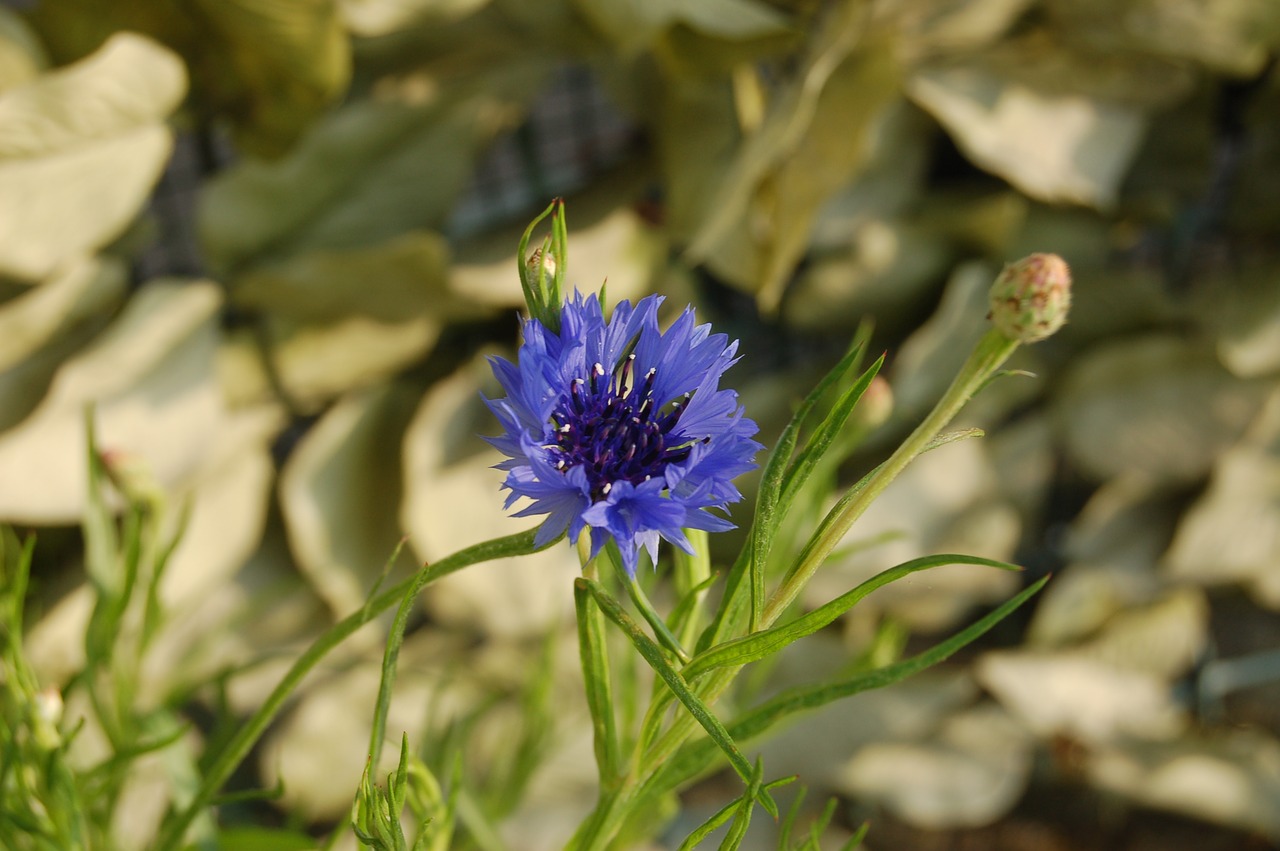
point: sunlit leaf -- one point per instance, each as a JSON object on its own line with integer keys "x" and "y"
{"x": 1232, "y": 532}
{"x": 80, "y": 148}
{"x": 1085, "y": 699}
{"x": 79, "y": 292}
{"x": 151, "y": 378}
{"x": 969, "y": 773}
{"x": 813, "y": 139}
{"x": 1229, "y": 777}
{"x": 634, "y": 24}
{"x": 1160, "y": 405}
{"x": 1055, "y": 146}
{"x": 267, "y": 68}
{"x": 372, "y": 18}
{"x": 367, "y": 173}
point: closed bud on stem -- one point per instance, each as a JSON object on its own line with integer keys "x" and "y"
{"x": 1031, "y": 297}
{"x": 540, "y": 260}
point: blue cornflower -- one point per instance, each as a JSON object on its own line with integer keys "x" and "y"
{"x": 615, "y": 426}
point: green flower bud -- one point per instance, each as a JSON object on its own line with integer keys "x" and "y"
{"x": 1031, "y": 297}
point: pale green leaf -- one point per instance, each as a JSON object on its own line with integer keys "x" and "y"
{"x": 372, "y": 18}
{"x": 151, "y": 379}
{"x": 366, "y": 173}
{"x": 77, "y": 293}
{"x": 80, "y": 149}
{"x": 634, "y": 24}
{"x": 1052, "y": 145}
{"x": 1158, "y": 405}
{"x": 812, "y": 140}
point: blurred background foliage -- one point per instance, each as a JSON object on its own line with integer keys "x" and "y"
{"x": 272, "y": 240}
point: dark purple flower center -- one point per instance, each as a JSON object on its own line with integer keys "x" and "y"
{"x": 611, "y": 426}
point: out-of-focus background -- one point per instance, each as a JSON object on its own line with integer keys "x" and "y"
{"x": 272, "y": 241}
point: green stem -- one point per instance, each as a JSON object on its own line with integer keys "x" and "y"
{"x": 659, "y": 626}
{"x": 992, "y": 351}
{"x": 234, "y": 752}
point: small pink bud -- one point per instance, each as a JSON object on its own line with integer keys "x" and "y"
{"x": 1031, "y": 297}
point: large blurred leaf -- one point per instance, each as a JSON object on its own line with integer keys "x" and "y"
{"x": 80, "y": 148}
{"x": 634, "y": 24}
{"x": 334, "y": 320}
{"x": 340, "y": 493}
{"x": 1230, "y": 777}
{"x": 1056, "y": 147}
{"x": 21, "y": 56}
{"x": 1159, "y": 406}
{"x": 381, "y": 17}
{"x": 969, "y": 773}
{"x": 42, "y": 327}
{"x": 151, "y": 378}
{"x": 1232, "y": 532}
{"x": 270, "y": 66}
{"x": 1233, "y": 36}
{"x": 79, "y": 292}
{"x": 946, "y": 26}
{"x": 1067, "y": 694}
{"x": 368, "y": 172}
{"x": 813, "y": 139}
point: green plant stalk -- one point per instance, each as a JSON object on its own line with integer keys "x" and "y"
{"x": 987, "y": 357}
{"x": 238, "y": 747}
{"x": 660, "y": 630}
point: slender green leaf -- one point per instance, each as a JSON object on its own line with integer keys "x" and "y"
{"x": 789, "y": 823}
{"x": 830, "y": 428}
{"x": 223, "y": 763}
{"x": 725, "y": 813}
{"x": 856, "y": 840}
{"x": 767, "y": 517}
{"x": 697, "y": 756}
{"x": 758, "y": 645}
{"x": 652, "y": 654}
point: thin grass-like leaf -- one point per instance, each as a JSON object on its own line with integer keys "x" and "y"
{"x": 695, "y": 757}
{"x": 652, "y": 654}
{"x": 767, "y": 515}
{"x": 725, "y": 813}
{"x": 758, "y": 645}
{"x": 858, "y": 837}
{"x": 827, "y": 432}
{"x": 237, "y": 747}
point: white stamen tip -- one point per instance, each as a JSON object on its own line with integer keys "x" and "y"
{"x": 608, "y": 486}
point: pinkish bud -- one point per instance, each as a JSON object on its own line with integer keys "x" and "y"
{"x": 1031, "y": 297}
